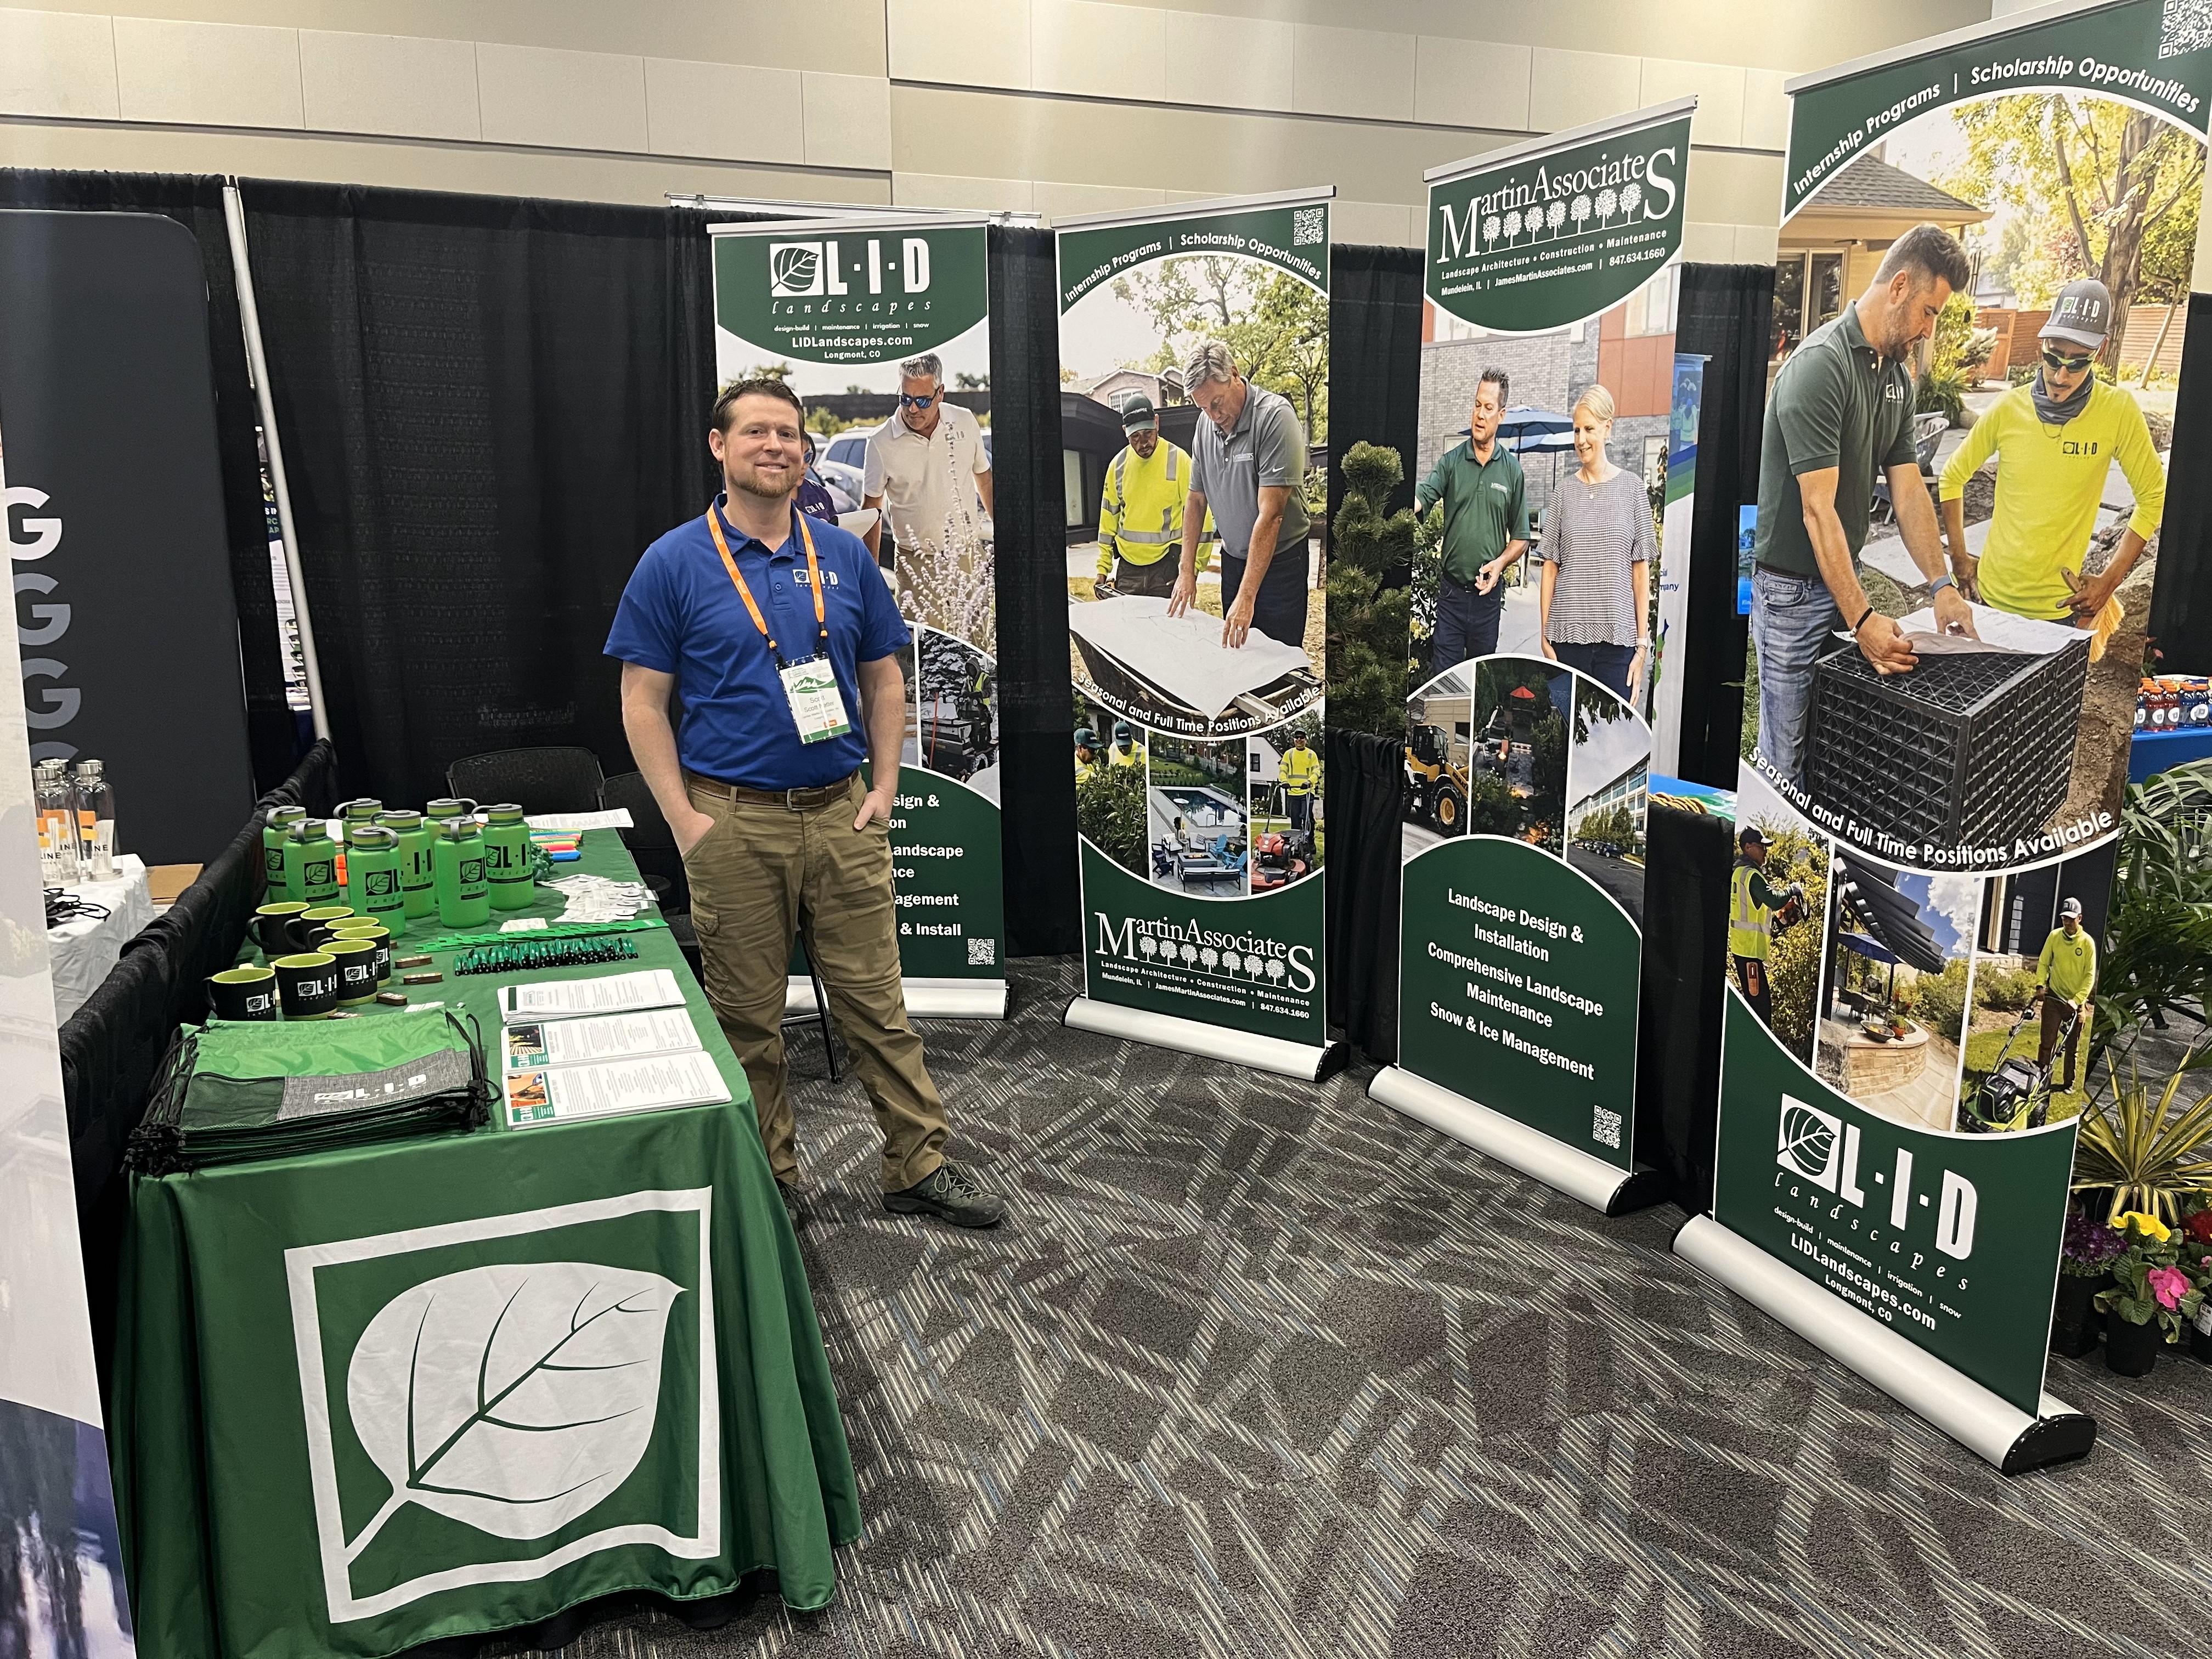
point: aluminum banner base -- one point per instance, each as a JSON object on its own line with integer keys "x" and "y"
{"x": 1992, "y": 1429}
{"x": 926, "y": 998}
{"x": 1307, "y": 1061}
{"x": 1604, "y": 1187}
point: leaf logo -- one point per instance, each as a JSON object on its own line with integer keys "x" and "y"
{"x": 794, "y": 268}
{"x": 511, "y": 1397}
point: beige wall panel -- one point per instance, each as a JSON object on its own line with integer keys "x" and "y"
{"x": 723, "y": 110}
{"x": 840, "y": 36}
{"x": 227, "y": 74}
{"x": 1469, "y": 83}
{"x": 483, "y": 169}
{"x": 1571, "y": 88}
{"x": 943, "y": 129}
{"x": 1352, "y": 72}
{"x": 1099, "y": 50}
{"x": 1244, "y": 61}
{"x": 1708, "y": 244}
{"x": 401, "y": 86}
{"x": 1719, "y": 89}
{"x": 567, "y": 100}
{"x": 1069, "y": 201}
{"x": 975, "y": 43}
{"x": 1755, "y": 245}
{"x": 1733, "y": 187}
{"x": 1765, "y": 110}
{"x": 1393, "y": 224}
{"x": 938, "y": 189}
{"x": 57, "y": 63}
{"x": 848, "y": 121}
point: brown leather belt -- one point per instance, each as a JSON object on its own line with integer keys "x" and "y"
{"x": 795, "y": 800}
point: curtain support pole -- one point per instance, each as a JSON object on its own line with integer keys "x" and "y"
{"x": 234, "y": 214}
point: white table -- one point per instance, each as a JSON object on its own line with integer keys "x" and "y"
{"x": 84, "y": 952}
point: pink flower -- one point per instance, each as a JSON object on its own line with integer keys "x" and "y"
{"x": 2170, "y": 1284}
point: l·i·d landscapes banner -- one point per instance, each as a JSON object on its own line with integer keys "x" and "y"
{"x": 1194, "y": 362}
{"x": 853, "y": 317}
{"x": 1935, "y": 742}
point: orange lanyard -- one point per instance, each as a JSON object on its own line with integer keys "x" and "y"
{"x": 813, "y": 580}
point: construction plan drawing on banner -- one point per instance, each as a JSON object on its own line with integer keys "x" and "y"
{"x": 883, "y": 329}
{"x": 1194, "y": 367}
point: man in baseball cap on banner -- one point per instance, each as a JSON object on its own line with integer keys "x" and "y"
{"x": 1140, "y": 510}
{"x": 2055, "y": 440}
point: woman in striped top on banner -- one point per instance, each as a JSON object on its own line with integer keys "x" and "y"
{"x": 1597, "y": 551}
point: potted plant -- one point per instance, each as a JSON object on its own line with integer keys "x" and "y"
{"x": 2150, "y": 1293}
{"x": 2085, "y": 1267}
{"x": 2196, "y": 1241}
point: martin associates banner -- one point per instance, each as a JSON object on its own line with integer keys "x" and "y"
{"x": 1909, "y": 1000}
{"x": 1200, "y": 802}
{"x": 856, "y": 318}
{"x": 1549, "y": 326}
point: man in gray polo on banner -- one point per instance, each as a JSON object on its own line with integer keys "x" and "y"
{"x": 1250, "y": 470}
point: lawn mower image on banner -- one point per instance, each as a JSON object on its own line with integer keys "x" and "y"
{"x": 1280, "y": 858}
{"x": 2016, "y": 1094}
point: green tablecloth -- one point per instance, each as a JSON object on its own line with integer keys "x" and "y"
{"x": 366, "y": 1398}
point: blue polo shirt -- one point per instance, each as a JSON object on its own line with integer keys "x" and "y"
{"x": 682, "y": 615}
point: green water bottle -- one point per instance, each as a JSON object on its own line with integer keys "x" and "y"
{"x": 354, "y": 815}
{"x": 508, "y": 859}
{"x": 449, "y": 807}
{"x": 416, "y": 876}
{"x": 310, "y": 859}
{"x": 458, "y": 872}
{"x": 373, "y": 872}
{"x": 274, "y": 830}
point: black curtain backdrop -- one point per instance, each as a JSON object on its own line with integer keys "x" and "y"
{"x": 1725, "y": 313}
{"x": 490, "y": 407}
{"x": 1678, "y": 1043}
{"x": 1365, "y": 778}
{"x": 2181, "y": 597}
{"x": 1036, "y": 706}
{"x": 196, "y": 202}
{"x": 1375, "y": 359}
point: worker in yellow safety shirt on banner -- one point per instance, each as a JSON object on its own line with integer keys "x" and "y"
{"x": 1125, "y": 750}
{"x": 1757, "y": 911}
{"x": 1086, "y": 753}
{"x": 2065, "y": 975}
{"x": 1300, "y": 771}
{"x": 1140, "y": 512}
{"x": 2055, "y": 439}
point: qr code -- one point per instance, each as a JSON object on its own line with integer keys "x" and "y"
{"x": 982, "y": 953}
{"x": 2186, "y": 27}
{"x": 1606, "y": 1127}
{"x": 1310, "y": 225}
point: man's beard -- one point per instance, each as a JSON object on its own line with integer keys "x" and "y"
{"x": 754, "y": 485}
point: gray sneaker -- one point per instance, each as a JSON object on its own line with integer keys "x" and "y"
{"x": 950, "y": 1193}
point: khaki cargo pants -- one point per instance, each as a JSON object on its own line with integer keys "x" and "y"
{"x": 751, "y": 876}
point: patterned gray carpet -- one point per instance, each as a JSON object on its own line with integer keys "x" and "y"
{"x": 1259, "y": 1369}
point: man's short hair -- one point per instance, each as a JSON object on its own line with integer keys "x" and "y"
{"x": 928, "y": 367}
{"x": 1498, "y": 377}
{"x": 1210, "y": 360}
{"x": 761, "y": 385}
{"x": 1930, "y": 251}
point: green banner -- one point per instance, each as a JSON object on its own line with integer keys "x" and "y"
{"x": 834, "y": 310}
{"x": 1292, "y": 239}
{"x": 1252, "y": 964}
{"x": 1517, "y": 988}
{"x": 1542, "y": 240}
{"x": 846, "y": 295}
{"x": 2153, "y": 54}
{"x": 1951, "y": 1240}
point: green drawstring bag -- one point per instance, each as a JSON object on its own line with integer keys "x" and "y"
{"x": 247, "y": 1090}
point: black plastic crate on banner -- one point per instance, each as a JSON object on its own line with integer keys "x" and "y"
{"x": 1974, "y": 749}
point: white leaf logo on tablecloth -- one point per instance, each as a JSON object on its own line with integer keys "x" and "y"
{"x": 510, "y": 1398}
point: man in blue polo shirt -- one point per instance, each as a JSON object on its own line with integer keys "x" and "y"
{"x": 779, "y": 635}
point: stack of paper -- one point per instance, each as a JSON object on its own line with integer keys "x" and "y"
{"x": 608, "y": 994}
{"x": 591, "y": 1047}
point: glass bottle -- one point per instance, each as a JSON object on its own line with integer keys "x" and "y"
{"x": 57, "y": 846}
{"x": 96, "y": 816}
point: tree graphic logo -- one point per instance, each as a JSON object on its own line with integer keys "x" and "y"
{"x": 487, "y": 1402}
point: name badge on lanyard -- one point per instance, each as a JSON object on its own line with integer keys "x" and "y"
{"x": 810, "y": 685}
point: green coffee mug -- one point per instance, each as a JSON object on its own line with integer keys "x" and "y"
{"x": 243, "y": 994}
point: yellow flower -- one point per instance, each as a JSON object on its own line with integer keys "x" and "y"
{"x": 2148, "y": 1225}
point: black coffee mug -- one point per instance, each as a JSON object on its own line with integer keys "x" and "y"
{"x": 272, "y": 927}
{"x": 356, "y": 961}
{"x": 306, "y": 928}
{"x": 243, "y": 994}
{"x": 307, "y": 985}
{"x": 376, "y": 934}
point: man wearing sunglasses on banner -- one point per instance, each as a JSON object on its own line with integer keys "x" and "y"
{"x": 778, "y": 633}
{"x": 2055, "y": 439}
{"x": 928, "y": 469}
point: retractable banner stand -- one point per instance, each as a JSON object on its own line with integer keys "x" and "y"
{"x": 1898, "y": 1107}
{"x": 1200, "y": 803}
{"x": 1673, "y": 574}
{"x": 1551, "y": 292}
{"x": 842, "y": 311}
